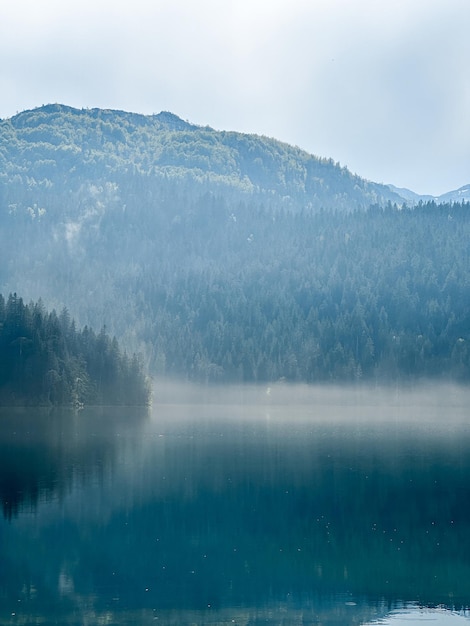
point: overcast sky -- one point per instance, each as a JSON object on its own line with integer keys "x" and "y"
{"x": 382, "y": 86}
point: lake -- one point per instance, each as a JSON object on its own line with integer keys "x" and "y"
{"x": 252, "y": 505}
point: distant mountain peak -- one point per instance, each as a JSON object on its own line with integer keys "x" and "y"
{"x": 410, "y": 197}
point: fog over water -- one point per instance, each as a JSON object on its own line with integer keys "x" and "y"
{"x": 425, "y": 397}
{"x": 288, "y": 504}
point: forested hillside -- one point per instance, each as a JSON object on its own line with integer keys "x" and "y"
{"x": 227, "y": 257}
{"x": 45, "y": 360}
{"x": 61, "y": 149}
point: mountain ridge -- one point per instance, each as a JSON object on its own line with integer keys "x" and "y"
{"x": 164, "y": 144}
{"x": 462, "y": 194}
{"x": 170, "y": 122}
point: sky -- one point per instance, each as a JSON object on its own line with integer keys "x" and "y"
{"x": 380, "y": 86}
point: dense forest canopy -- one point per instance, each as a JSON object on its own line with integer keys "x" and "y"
{"x": 45, "y": 360}
{"x": 61, "y": 147}
{"x": 230, "y": 257}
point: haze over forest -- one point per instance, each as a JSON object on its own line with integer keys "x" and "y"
{"x": 221, "y": 256}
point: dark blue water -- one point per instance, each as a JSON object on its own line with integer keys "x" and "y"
{"x": 279, "y": 506}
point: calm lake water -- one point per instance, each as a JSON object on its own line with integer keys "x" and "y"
{"x": 282, "y": 505}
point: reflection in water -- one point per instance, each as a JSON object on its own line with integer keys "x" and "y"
{"x": 417, "y": 615}
{"x": 44, "y": 452}
{"x": 334, "y": 512}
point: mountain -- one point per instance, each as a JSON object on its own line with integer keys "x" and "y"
{"x": 228, "y": 257}
{"x": 56, "y": 142}
{"x": 459, "y": 195}
{"x": 410, "y": 197}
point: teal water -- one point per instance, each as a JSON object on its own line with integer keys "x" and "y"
{"x": 280, "y": 506}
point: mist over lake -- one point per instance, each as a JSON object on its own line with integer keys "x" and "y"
{"x": 250, "y": 504}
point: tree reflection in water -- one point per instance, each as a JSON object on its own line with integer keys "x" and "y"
{"x": 334, "y": 513}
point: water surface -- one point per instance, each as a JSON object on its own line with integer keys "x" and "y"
{"x": 247, "y": 506}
